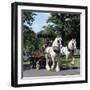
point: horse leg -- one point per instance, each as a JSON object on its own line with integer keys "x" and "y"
{"x": 57, "y": 69}
{"x": 53, "y": 64}
{"x": 73, "y": 59}
{"x": 47, "y": 65}
{"x": 67, "y": 56}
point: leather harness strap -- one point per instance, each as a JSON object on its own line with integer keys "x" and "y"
{"x": 56, "y": 49}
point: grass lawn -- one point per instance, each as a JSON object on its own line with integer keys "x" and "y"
{"x": 65, "y": 63}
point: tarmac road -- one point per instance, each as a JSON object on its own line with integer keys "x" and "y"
{"x": 44, "y": 72}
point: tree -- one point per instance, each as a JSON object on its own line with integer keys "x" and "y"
{"x": 28, "y": 17}
{"x": 29, "y": 36}
{"x": 67, "y": 24}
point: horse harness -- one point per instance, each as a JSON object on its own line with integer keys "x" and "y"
{"x": 72, "y": 51}
{"x": 56, "y": 49}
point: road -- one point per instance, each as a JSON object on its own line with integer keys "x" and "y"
{"x": 43, "y": 72}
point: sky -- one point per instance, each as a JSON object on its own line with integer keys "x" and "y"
{"x": 40, "y": 21}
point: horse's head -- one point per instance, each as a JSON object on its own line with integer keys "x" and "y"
{"x": 73, "y": 42}
{"x": 57, "y": 44}
{"x": 59, "y": 41}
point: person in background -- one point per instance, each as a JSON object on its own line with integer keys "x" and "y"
{"x": 47, "y": 43}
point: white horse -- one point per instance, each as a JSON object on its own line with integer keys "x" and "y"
{"x": 53, "y": 54}
{"x": 69, "y": 50}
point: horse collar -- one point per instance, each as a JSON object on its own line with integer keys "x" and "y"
{"x": 56, "y": 49}
{"x": 69, "y": 49}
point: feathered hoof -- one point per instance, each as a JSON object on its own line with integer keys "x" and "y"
{"x": 52, "y": 67}
{"x": 57, "y": 69}
{"x": 47, "y": 68}
{"x": 72, "y": 62}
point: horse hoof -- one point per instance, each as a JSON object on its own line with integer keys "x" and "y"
{"x": 72, "y": 62}
{"x": 57, "y": 69}
{"x": 37, "y": 68}
{"x": 47, "y": 68}
{"x": 52, "y": 68}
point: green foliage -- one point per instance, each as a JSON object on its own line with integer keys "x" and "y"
{"x": 67, "y": 24}
{"x": 67, "y": 63}
{"x": 48, "y": 31}
{"x": 28, "y": 17}
{"x": 29, "y": 37}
